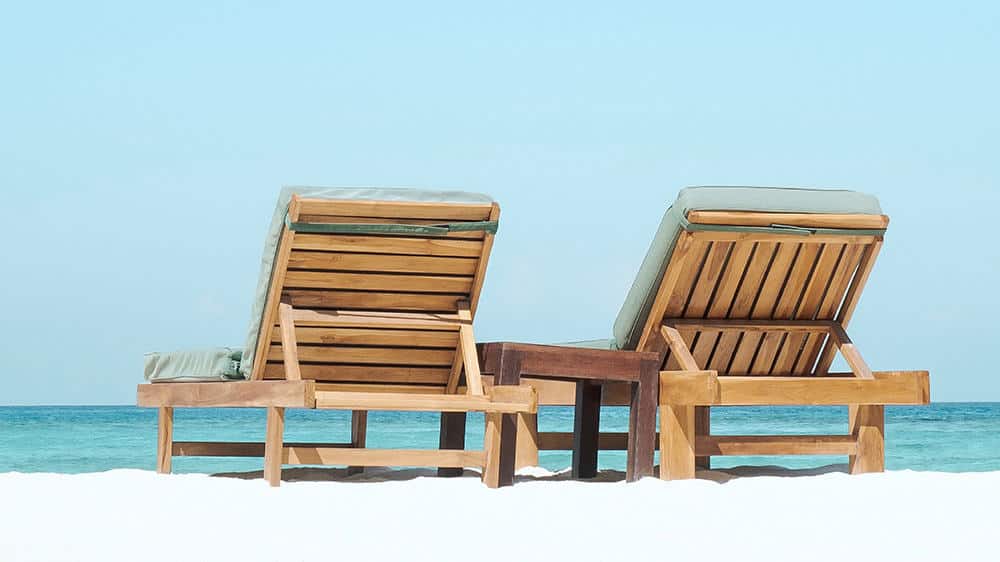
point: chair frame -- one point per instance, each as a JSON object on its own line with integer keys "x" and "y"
{"x": 688, "y": 389}
{"x": 464, "y": 392}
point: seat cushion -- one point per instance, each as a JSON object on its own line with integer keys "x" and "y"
{"x": 632, "y": 317}
{"x": 213, "y": 364}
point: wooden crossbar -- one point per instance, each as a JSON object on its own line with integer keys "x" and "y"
{"x": 723, "y": 445}
{"x": 236, "y": 449}
{"x": 292, "y": 454}
{"x": 503, "y": 399}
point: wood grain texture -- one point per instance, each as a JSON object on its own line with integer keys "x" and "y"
{"x": 396, "y": 209}
{"x": 677, "y": 441}
{"x": 805, "y": 220}
{"x": 289, "y": 346}
{"x": 867, "y": 426}
{"x": 382, "y": 457}
{"x": 164, "y": 439}
{"x": 442, "y": 247}
{"x": 235, "y": 394}
{"x": 273, "y": 444}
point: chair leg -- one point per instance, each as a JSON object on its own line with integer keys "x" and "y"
{"x": 491, "y": 451}
{"x": 165, "y": 440}
{"x": 359, "y": 433}
{"x": 452, "y": 437}
{"x": 586, "y": 429}
{"x": 527, "y": 441}
{"x": 702, "y": 428}
{"x": 273, "y": 445}
{"x": 867, "y": 425}
{"x": 676, "y": 441}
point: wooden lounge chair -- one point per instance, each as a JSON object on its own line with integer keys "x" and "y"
{"x": 756, "y": 291}
{"x": 745, "y": 295}
{"x": 366, "y": 302}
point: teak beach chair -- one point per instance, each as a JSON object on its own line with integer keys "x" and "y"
{"x": 744, "y": 296}
{"x": 365, "y": 302}
{"x": 754, "y": 292}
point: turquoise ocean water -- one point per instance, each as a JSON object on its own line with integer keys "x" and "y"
{"x": 955, "y": 437}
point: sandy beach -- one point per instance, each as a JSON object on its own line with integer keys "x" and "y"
{"x": 139, "y": 515}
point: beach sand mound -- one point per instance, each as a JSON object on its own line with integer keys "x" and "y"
{"x": 321, "y": 514}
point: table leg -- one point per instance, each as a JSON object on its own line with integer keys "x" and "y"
{"x": 642, "y": 424}
{"x": 452, "y": 437}
{"x": 508, "y": 373}
{"x": 586, "y": 430}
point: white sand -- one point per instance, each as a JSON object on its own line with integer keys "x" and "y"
{"x": 132, "y": 515}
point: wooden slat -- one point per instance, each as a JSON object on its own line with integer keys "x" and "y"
{"x": 362, "y": 336}
{"x": 809, "y": 306}
{"x": 702, "y": 293}
{"x": 396, "y": 209}
{"x": 369, "y": 319}
{"x": 421, "y": 403}
{"x": 721, "y": 236}
{"x": 807, "y": 220}
{"x": 680, "y": 260}
{"x": 342, "y": 219}
{"x": 749, "y": 445}
{"x": 339, "y": 261}
{"x": 726, "y": 325}
{"x": 369, "y": 355}
{"x": 381, "y": 457}
{"x": 722, "y": 301}
{"x": 839, "y": 283}
{"x": 783, "y": 282}
{"x": 765, "y": 256}
{"x": 802, "y": 276}
{"x": 430, "y": 246}
{"x": 364, "y": 373}
{"x": 678, "y": 298}
{"x": 850, "y": 302}
{"x": 364, "y": 300}
{"x": 383, "y": 388}
{"x": 378, "y": 282}
{"x": 236, "y": 394}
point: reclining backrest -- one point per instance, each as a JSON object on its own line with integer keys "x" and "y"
{"x": 765, "y": 255}
{"x": 376, "y": 251}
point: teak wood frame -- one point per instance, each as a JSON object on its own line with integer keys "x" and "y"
{"x": 293, "y": 390}
{"x": 688, "y": 388}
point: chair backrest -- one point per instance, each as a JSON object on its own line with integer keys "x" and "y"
{"x": 376, "y": 257}
{"x": 778, "y": 272}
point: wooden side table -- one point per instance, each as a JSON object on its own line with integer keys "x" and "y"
{"x": 589, "y": 369}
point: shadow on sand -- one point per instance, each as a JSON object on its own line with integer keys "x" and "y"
{"x": 533, "y": 474}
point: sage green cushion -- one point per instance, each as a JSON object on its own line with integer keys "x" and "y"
{"x": 639, "y": 300}
{"x": 591, "y": 344}
{"x": 214, "y": 364}
{"x": 272, "y": 239}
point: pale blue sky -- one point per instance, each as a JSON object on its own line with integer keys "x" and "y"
{"x": 141, "y": 149}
